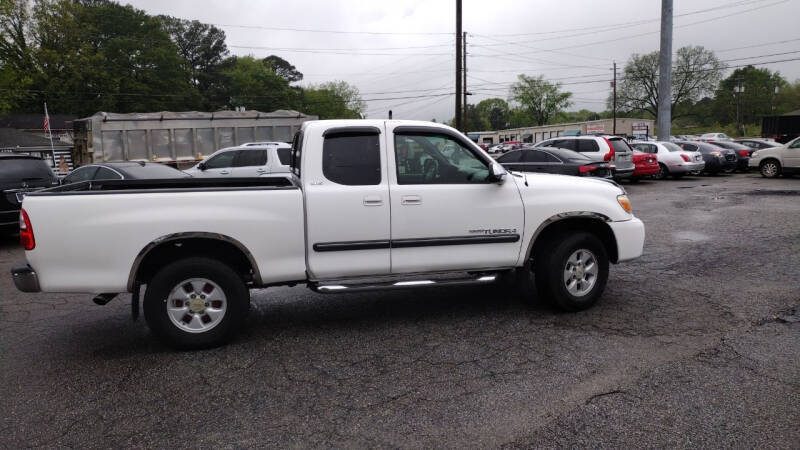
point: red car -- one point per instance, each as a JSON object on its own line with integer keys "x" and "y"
{"x": 645, "y": 165}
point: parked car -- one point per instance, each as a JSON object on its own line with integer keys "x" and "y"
{"x": 350, "y": 219}
{"x": 18, "y": 174}
{"x": 554, "y": 160}
{"x": 495, "y": 149}
{"x": 247, "y": 160}
{"x": 742, "y": 153}
{"x": 710, "y": 137}
{"x": 610, "y": 149}
{"x": 783, "y": 160}
{"x": 645, "y": 165}
{"x": 132, "y": 170}
{"x": 672, "y": 159}
{"x": 758, "y": 143}
{"x": 717, "y": 159}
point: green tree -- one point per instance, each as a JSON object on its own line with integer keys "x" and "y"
{"x": 283, "y": 68}
{"x": 332, "y": 100}
{"x": 251, "y": 83}
{"x": 495, "y": 112}
{"x": 202, "y": 48}
{"x": 696, "y": 73}
{"x": 539, "y": 98}
{"x": 100, "y": 56}
{"x": 756, "y": 101}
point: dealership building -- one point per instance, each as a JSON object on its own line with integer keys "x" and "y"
{"x": 625, "y": 126}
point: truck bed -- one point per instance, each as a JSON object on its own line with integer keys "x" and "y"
{"x": 89, "y": 234}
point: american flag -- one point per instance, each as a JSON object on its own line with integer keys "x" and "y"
{"x": 46, "y": 119}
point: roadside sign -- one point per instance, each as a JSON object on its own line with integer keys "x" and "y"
{"x": 595, "y": 128}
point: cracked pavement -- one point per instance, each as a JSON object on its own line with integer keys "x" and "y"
{"x": 694, "y": 344}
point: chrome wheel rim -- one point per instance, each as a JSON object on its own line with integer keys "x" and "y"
{"x": 661, "y": 172}
{"x": 770, "y": 169}
{"x": 580, "y": 272}
{"x": 196, "y": 305}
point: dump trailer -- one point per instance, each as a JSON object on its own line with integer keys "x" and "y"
{"x": 781, "y": 128}
{"x": 176, "y": 138}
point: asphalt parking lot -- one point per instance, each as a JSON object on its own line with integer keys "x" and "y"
{"x": 694, "y": 344}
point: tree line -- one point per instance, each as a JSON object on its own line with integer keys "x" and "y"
{"x": 84, "y": 56}
{"x": 702, "y": 99}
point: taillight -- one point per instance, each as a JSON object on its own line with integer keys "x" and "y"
{"x": 610, "y": 155}
{"x": 26, "y": 231}
{"x": 585, "y": 169}
{"x": 685, "y": 158}
{"x": 744, "y": 152}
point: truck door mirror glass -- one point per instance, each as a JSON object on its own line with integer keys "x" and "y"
{"x": 496, "y": 172}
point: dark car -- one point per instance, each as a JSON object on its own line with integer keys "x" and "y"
{"x": 123, "y": 171}
{"x": 554, "y": 160}
{"x": 758, "y": 144}
{"x": 742, "y": 151}
{"x": 717, "y": 159}
{"x": 19, "y": 173}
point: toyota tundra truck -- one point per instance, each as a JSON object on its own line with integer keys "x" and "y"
{"x": 369, "y": 205}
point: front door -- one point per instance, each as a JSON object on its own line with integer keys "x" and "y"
{"x": 791, "y": 156}
{"x": 219, "y": 165}
{"x": 446, "y": 213}
{"x": 347, "y": 204}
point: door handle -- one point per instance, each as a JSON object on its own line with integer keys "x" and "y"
{"x": 224, "y": 172}
{"x": 411, "y": 200}
{"x": 373, "y": 200}
{"x": 261, "y": 170}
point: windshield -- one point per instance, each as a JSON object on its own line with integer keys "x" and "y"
{"x": 672, "y": 147}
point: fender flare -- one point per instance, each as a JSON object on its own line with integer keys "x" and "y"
{"x": 190, "y": 235}
{"x": 558, "y": 218}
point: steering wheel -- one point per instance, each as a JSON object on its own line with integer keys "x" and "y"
{"x": 430, "y": 170}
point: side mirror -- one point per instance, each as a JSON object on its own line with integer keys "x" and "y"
{"x": 497, "y": 173}
{"x": 202, "y": 166}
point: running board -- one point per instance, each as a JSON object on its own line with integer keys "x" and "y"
{"x": 330, "y": 288}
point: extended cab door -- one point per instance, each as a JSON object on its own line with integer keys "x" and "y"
{"x": 446, "y": 213}
{"x": 347, "y": 201}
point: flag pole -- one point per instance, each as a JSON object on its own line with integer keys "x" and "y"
{"x": 50, "y": 134}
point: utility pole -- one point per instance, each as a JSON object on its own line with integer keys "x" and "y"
{"x": 464, "y": 82}
{"x": 614, "y": 109}
{"x": 665, "y": 73}
{"x": 458, "y": 65}
{"x": 737, "y": 92}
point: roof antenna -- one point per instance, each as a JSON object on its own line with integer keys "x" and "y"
{"x": 390, "y": 114}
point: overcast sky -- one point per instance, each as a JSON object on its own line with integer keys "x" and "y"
{"x": 404, "y": 49}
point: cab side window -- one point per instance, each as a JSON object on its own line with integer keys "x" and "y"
{"x": 352, "y": 159}
{"x": 436, "y": 159}
{"x": 104, "y": 173}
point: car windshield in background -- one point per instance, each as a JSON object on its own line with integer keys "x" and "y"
{"x": 153, "y": 172}
{"x": 620, "y": 146}
{"x": 672, "y": 147}
{"x": 19, "y": 169}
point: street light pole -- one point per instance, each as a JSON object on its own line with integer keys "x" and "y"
{"x": 665, "y": 73}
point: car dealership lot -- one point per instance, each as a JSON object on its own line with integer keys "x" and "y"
{"x": 694, "y": 343}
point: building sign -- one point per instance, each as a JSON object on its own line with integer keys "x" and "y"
{"x": 595, "y": 128}
{"x": 640, "y": 127}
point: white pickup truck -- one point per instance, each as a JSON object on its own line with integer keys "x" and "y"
{"x": 371, "y": 204}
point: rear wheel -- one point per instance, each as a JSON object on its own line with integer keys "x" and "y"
{"x": 196, "y": 303}
{"x": 662, "y": 172}
{"x": 770, "y": 168}
{"x": 572, "y": 270}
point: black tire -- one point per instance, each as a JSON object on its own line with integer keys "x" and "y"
{"x": 550, "y": 265}
{"x": 663, "y": 172}
{"x": 237, "y": 298}
{"x": 770, "y": 168}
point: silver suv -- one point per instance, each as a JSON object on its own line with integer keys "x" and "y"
{"x": 611, "y": 149}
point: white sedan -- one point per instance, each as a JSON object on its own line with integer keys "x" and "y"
{"x": 672, "y": 160}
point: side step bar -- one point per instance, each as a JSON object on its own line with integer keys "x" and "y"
{"x": 330, "y": 288}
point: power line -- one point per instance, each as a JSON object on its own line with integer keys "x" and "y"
{"x": 309, "y": 30}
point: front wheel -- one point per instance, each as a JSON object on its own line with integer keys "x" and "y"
{"x": 770, "y": 168}
{"x": 572, "y": 271}
{"x": 196, "y": 303}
